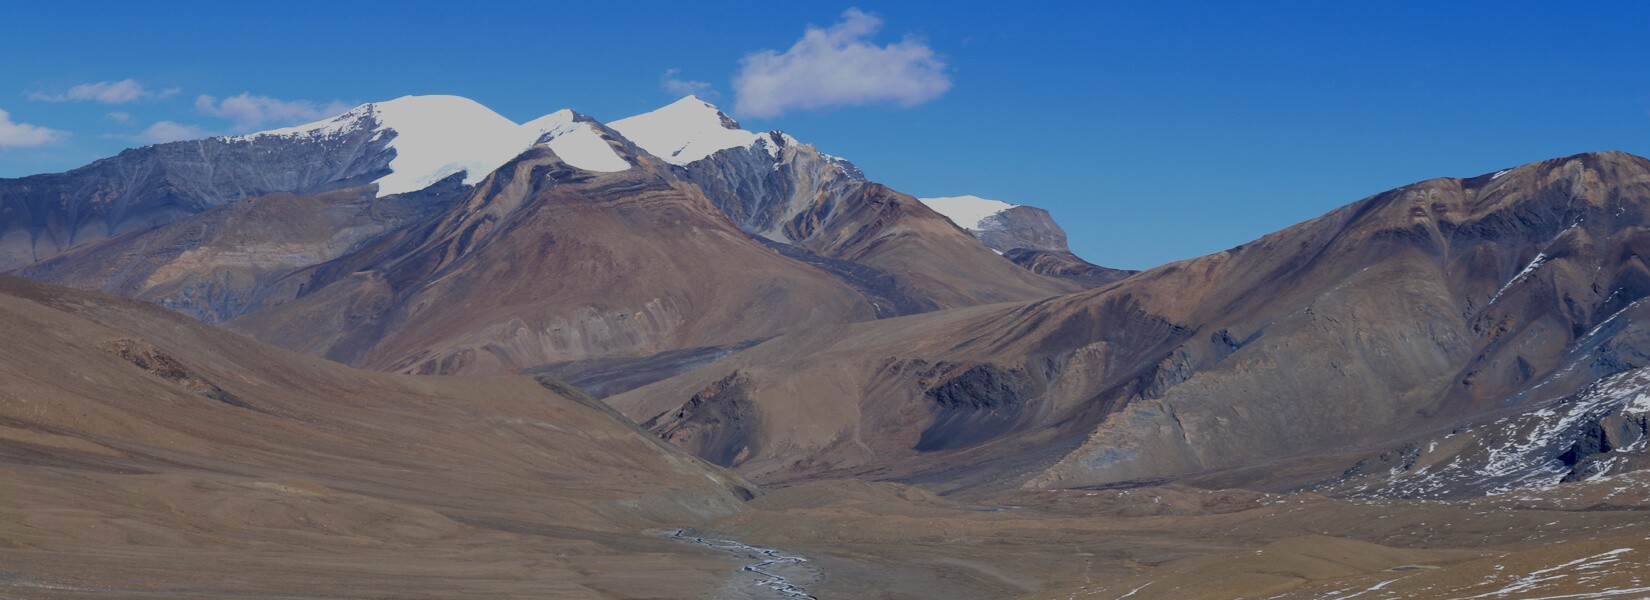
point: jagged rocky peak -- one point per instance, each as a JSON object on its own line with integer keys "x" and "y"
{"x": 435, "y": 137}
{"x": 764, "y": 181}
{"x": 1001, "y": 225}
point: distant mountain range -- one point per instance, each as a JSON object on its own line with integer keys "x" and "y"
{"x": 431, "y": 235}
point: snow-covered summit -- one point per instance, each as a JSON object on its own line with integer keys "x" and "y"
{"x": 437, "y": 136}
{"x": 968, "y": 212}
{"x": 576, "y": 142}
{"x": 688, "y": 130}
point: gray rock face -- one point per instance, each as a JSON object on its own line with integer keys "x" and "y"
{"x": 1022, "y": 227}
{"x": 139, "y": 189}
{"x": 910, "y": 258}
{"x": 765, "y": 193}
{"x": 1025, "y": 235}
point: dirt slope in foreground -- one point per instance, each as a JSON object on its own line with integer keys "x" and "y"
{"x": 147, "y": 455}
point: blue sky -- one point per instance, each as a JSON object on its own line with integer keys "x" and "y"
{"x": 1153, "y": 133}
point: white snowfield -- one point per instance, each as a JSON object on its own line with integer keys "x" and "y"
{"x": 576, "y": 144}
{"x": 688, "y": 130}
{"x": 968, "y": 212}
{"x": 438, "y": 136}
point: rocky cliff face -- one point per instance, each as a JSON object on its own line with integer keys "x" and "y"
{"x": 768, "y": 186}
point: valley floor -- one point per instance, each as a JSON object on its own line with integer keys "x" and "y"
{"x": 883, "y": 541}
{"x": 839, "y": 539}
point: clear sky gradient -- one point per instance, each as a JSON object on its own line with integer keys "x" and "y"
{"x": 1154, "y": 133}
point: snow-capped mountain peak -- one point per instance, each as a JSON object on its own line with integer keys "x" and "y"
{"x": 687, "y": 130}
{"x": 576, "y": 142}
{"x": 435, "y": 137}
{"x": 968, "y": 212}
{"x": 1003, "y": 226}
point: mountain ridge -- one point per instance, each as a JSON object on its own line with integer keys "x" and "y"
{"x": 864, "y": 250}
{"x": 1097, "y": 387}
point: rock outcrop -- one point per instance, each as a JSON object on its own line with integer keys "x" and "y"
{"x": 1025, "y": 235}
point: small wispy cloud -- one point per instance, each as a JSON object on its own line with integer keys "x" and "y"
{"x": 676, "y": 86}
{"x": 24, "y": 135}
{"x": 171, "y": 131}
{"x": 119, "y": 117}
{"x": 247, "y": 111}
{"x": 839, "y": 66}
{"x": 107, "y": 92}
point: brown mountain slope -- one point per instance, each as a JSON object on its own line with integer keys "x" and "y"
{"x": 546, "y": 263}
{"x": 1415, "y": 309}
{"x": 1065, "y": 265}
{"x": 548, "y": 266}
{"x": 895, "y": 232}
{"x": 147, "y": 454}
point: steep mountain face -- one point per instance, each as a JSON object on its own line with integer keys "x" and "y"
{"x": 403, "y": 145}
{"x": 1025, "y": 235}
{"x": 1424, "y": 308}
{"x": 762, "y": 181}
{"x": 546, "y": 262}
{"x": 788, "y": 192}
{"x": 137, "y": 444}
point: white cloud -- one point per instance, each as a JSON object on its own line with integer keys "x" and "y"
{"x": 107, "y": 92}
{"x": 171, "y": 131}
{"x": 675, "y": 86}
{"x": 24, "y": 135}
{"x": 119, "y": 117}
{"x": 248, "y": 111}
{"x": 838, "y": 66}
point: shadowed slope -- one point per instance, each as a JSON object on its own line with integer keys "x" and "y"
{"x": 226, "y": 262}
